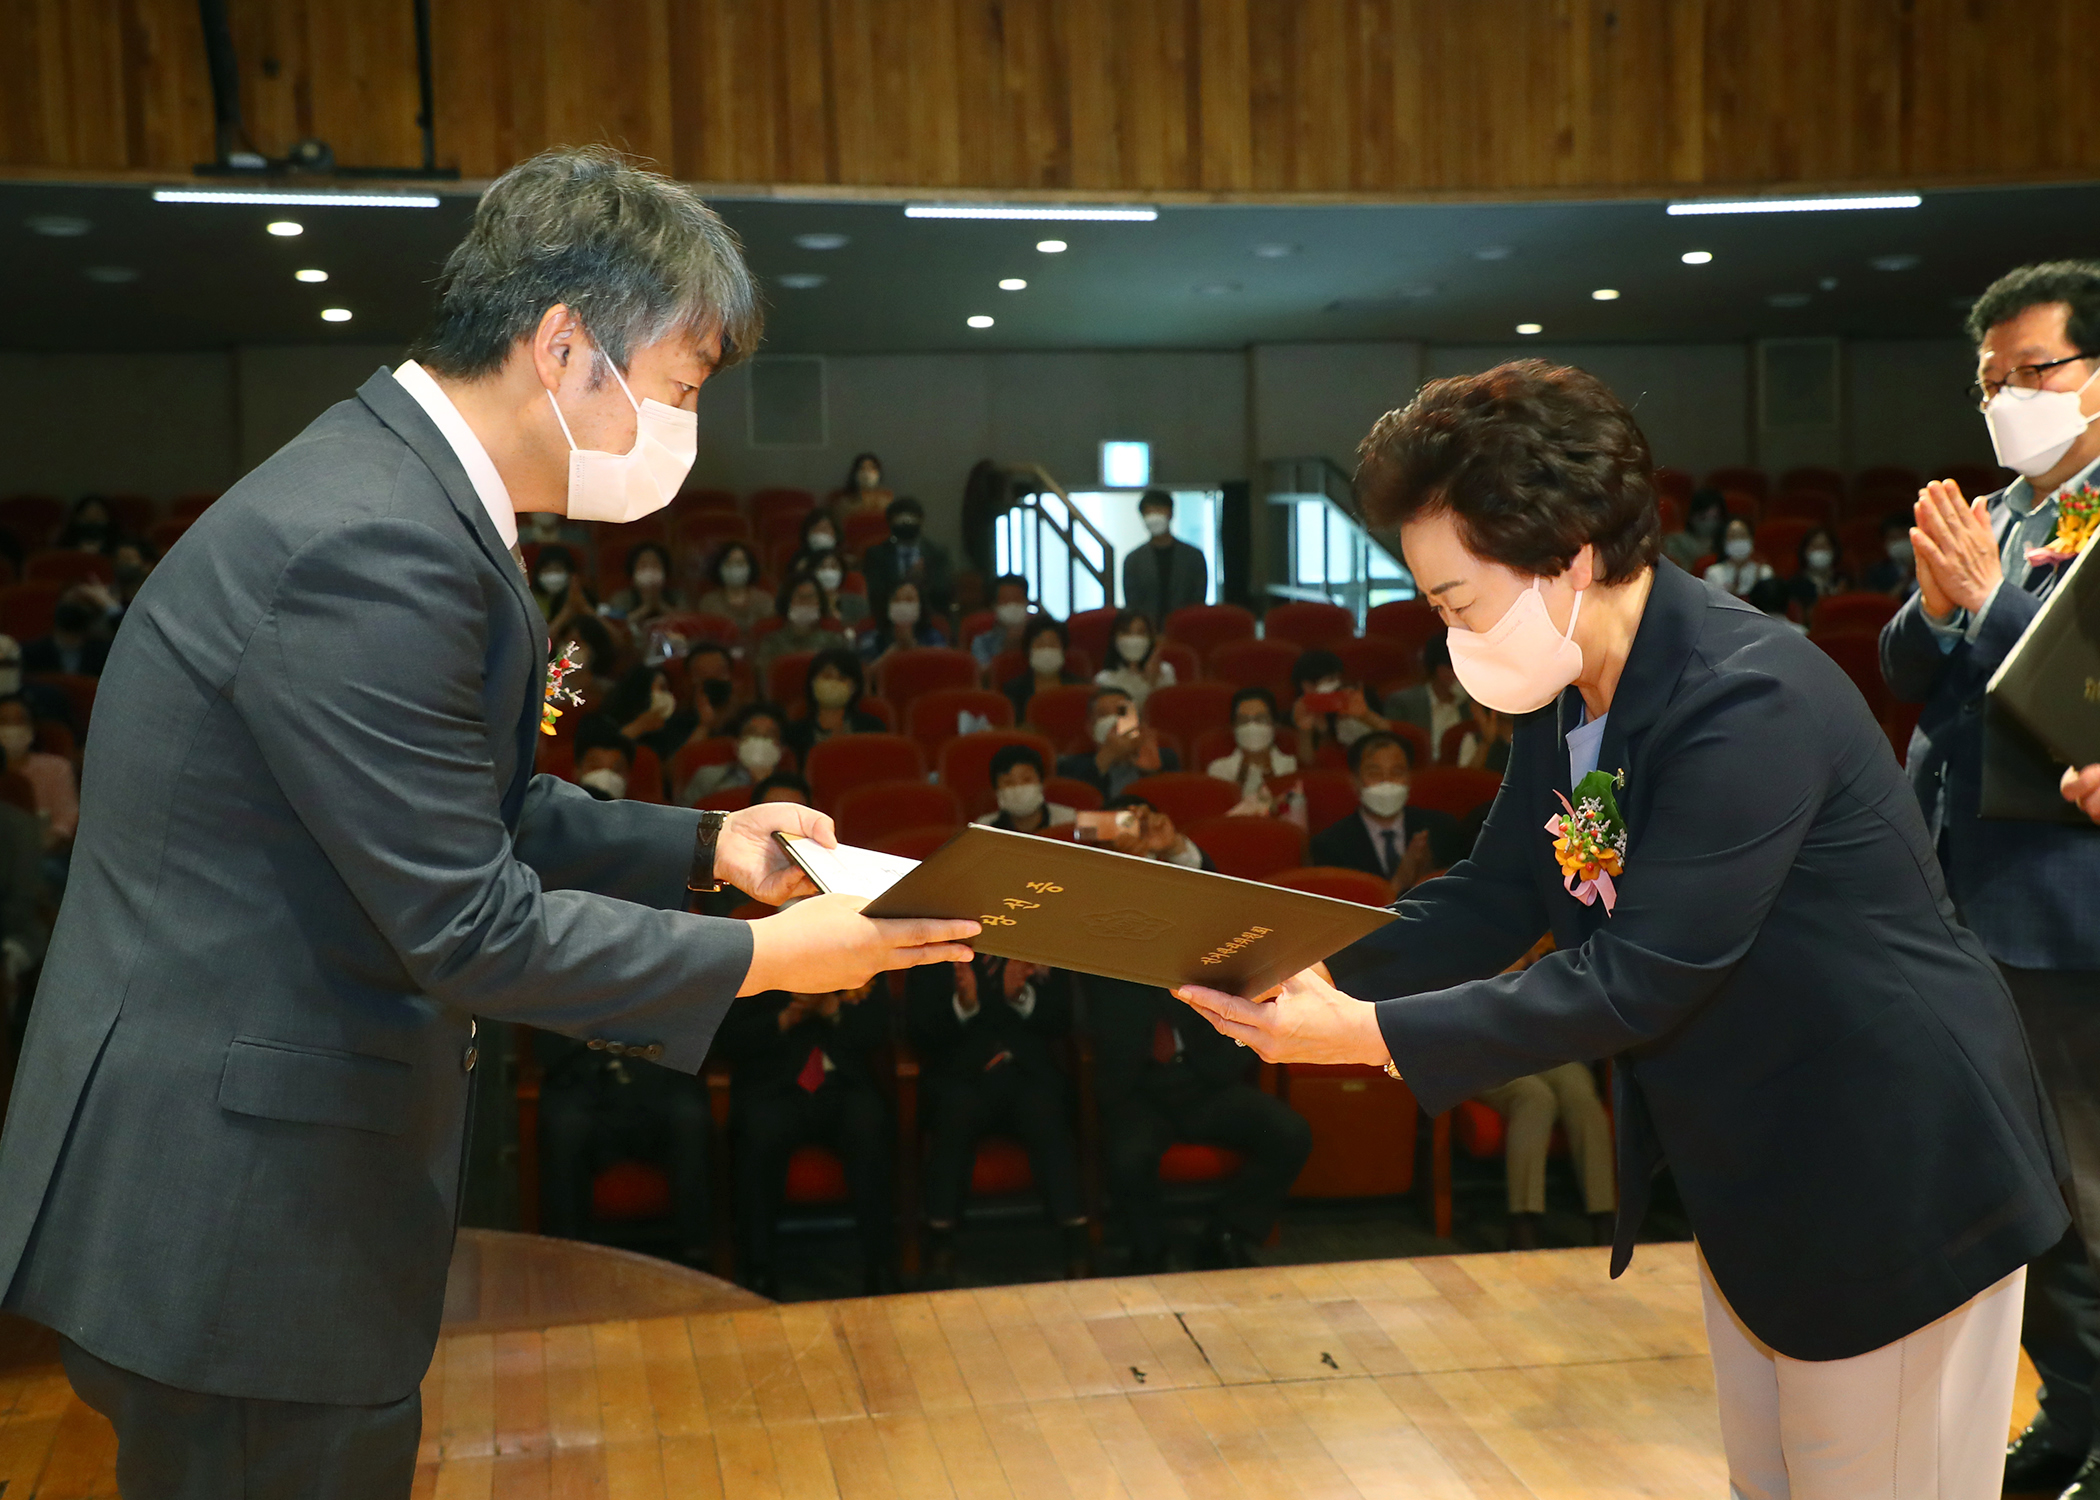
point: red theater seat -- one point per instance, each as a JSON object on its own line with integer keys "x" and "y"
{"x": 1848, "y": 614}
{"x": 1204, "y": 627}
{"x": 935, "y": 717}
{"x": 917, "y": 843}
{"x": 966, "y": 764}
{"x": 1196, "y": 1161}
{"x": 1454, "y": 789}
{"x": 1249, "y": 848}
{"x": 1060, "y": 713}
{"x": 32, "y": 519}
{"x": 871, "y": 812}
{"x": 1090, "y": 629}
{"x": 1860, "y": 657}
{"x": 1378, "y": 663}
{"x": 630, "y": 1190}
{"x": 1308, "y": 623}
{"x": 26, "y": 609}
{"x": 1360, "y": 886}
{"x": 846, "y": 761}
{"x": 1186, "y": 796}
{"x": 1330, "y": 795}
{"x": 1740, "y": 477}
{"x": 1363, "y": 1130}
{"x": 1408, "y": 621}
{"x": 69, "y": 568}
{"x": 923, "y": 669}
{"x": 1187, "y": 709}
{"x": 1813, "y": 477}
{"x": 1258, "y": 664}
{"x": 1080, "y": 796}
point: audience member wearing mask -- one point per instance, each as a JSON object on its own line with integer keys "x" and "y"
{"x": 1385, "y": 836}
{"x": 819, "y": 556}
{"x": 1162, "y": 1074}
{"x": 590, "y": 645}
{"x": 1125, "y": 748}
{"x": 1329, "y": 709}
{"x": 89, "y": 527}
{"x": 1017, "y": 782}
{"x": 802, "y": 1071}
{"x": 75, "y": 645}
{"x": 604, "y": 761}
{"x": 1818, "y": 574}
{"x": 2025, "y": 888}
{"x": 596, "y": 1109}
{"x": 1166, "y": 573}
{"x": 1485, "y": 747}
{"x": 50, "y": 777}
{"x": 710, "y": 680}
{"x": 1437, "y": 702}
{"x": 1150, "y": 831}
{"x": 757, "y": 730}
{"x": 1704, "y": 520}
{"x": 648, "y": 595}
{"x": 807, "y": 629}
{"x": 1738, "y": 569}
{"x": 550, "y": 528}
{"x": 1895, "y": 572}
{"x": 1047, "y": 647}
{"x": 819, "y": 542}
{"x": 907, "y": 555}
{"x": 863, "y": 492}
{"x": 1135, "y": 664}
{"x": 832, "y": 697}
{"x": 44, "y": 700}
{"x": 645, "y": 707}
{"x": 906, "y": 624}
{"x": 562, "y": 594}
{"x": 132, "y": 562}
{"x": 1010, "y": 617}
{"x": 984, "y": 1031}
{"x": 782, "y": 786}
{"x": 735, "y": 594}
{"x": 1254, "y": 758}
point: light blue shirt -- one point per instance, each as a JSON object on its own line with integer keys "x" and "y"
{"x": 1584, "y": 741}
{"x": 2033, "y": 523}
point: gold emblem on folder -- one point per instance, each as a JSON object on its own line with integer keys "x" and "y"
{"x": 1127, "y": 924}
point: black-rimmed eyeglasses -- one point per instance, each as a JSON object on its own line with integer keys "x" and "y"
{"x": 2020, "y": 378}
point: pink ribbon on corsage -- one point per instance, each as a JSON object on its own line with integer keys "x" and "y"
{"x": 1582, "y": 846}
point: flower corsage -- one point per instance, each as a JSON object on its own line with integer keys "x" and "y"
{"x": 1589, "y": 841}
{"x": 2077, "y": 519}
{"x": 557, "y": 670}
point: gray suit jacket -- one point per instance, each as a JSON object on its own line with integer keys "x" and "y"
{"x": 1188, "y": 580}
{"x": 311, "y": 847}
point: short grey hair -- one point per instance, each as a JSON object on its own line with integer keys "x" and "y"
{"x": 633, "y": 254}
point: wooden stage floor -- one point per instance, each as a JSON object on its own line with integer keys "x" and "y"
{"x": 1516, "y": 1375}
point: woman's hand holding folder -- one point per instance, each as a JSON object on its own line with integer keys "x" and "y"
{"x": 1305, "y": 1020}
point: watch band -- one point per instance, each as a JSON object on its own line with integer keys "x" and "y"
{"x": 701, "y": 878}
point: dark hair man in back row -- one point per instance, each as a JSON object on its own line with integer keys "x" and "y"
{"x": 2025, "y": 887}
{"x": 1166, "y": 573}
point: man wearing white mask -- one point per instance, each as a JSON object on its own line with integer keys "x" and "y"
{"x": 1166, "y": 573}
{"x": 2025, "y": 886}
{"x": 312, "y": 851}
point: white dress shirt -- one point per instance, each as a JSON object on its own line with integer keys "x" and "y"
{"x": 481, "y": 470}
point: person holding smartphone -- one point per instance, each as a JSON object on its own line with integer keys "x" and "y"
{"x": 1124, "y": 748}
{"x": 1330, "y": 710}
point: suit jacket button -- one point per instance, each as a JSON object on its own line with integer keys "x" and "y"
{"x": 596, "y": 1044}
{"x": 471, "y": 1056}
{"x": 617, "y": 1049}
{"x": 653, "y": 1051}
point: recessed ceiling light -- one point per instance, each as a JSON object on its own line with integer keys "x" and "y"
{"x": 1531, "y": 328}
{"x": 284, "y": 229}
{"x": 1696, "y": 257}
{"x": 980, "y": 320}
{"x": 1605, "y": 294}
{"x": 1788, "y": 299}
{"x": 58, "y": 226}
{"x": 1063, "y": 211}
{"x": 1275, "y": 252}
{"x": 1792, "y": 205}
{"x": 309, "y": 274}
{"x": 1051, "y": 247}
{"x": 821, "y": 241}
{"x": 1894, "y": 262}
{"x": 112, "y": 275}
{"x": 803, "y": 281}
{"x": 335, "y": 315}
{"x": 1492, "y": 252}
{"x": 1013, "y": 284}
{"x": 302, "y": 200}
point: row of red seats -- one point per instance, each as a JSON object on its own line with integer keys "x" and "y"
{"x": 1975, "y": 479}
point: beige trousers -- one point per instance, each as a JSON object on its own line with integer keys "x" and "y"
{"x": 1924, "y": 1418}
{"x": 1567, "y": 1094}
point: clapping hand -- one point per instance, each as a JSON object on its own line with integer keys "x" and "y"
{"x": 1957, "y": 557}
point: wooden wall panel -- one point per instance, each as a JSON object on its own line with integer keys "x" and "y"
{"x": 1230, "y": 97}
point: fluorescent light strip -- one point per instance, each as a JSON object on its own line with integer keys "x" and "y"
{"x": 1792, "y": 205}
{"x": 1026, "y": 211}
{"x": 302, "y": 200}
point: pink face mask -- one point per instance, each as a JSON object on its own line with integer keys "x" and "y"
{"x": 1520, "y": 663}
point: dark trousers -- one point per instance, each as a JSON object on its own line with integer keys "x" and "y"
{"x": 968, "y": 1107}
{"x": 2060, "y": 1328}
{"x": 588, "y": 1123}
{"x": 852, "y": 1120}
{"x": 1273, "y": 1137}
{"x": 184, "y": 1445}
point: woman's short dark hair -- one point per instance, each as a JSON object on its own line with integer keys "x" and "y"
{"x": 789, "y": 584}
{"x": 1314, "y": 665}
{"x": 1533, "y": 461}
{"x": 848, "y": 665}
{"x": 1037, "y": 624}
{"x": 903, "y": 505}
{"x": 554, "y": 552}
{"x": 742, "y": 718}
{"x": 853, "y": 469}
{"x": 1006, "y": 757}
{"x": 780, "y": 781}
{"x": 1253, "y": 695}
{"x": 2075, "y": 283}
{"x": 1125, "y": 618}
{"x": 817, "y": 517}
{"x": 1801, "y": 552}
{"x": 641, "y": 550}
{"x": 731, "y": 550}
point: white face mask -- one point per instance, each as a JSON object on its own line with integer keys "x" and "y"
{"x": 16, "y": 739}
{"x": 904, "y": 613}
{"x": 802, "y": 616}
{"x": 822, "y": 541}
{"x": 11, "y": 679}
{"x": 1739, "y": 549}
{"x": 1521, "y": 662}
{"x": 1021, "y": 800}
{"x": 1047, "y": 661}
{"x": 1156, "y": 523}
{"x": 1384, "y": 799}
{"x": 757, "y": 754}
{"x": 1900, "y": 550}
{"x": 735, "y": 574}
{"x": 1133, "y": 648}
{"x": 831, "y": 692}
{"x": 1105, "y": 726}
{"x": 1254, "y": 735}
{"x": 2031, "y": 430}
{"x": 1349, "y": 731}
{"x": 553, "y": 581}
{"x": 1010, "y": 615}
{"x": 626, "y": 486}
{"x": 829, "y": 579}
{"x": 606, "y": 780}
{"x": 1820, "y": 559}
{"x": 1328, "y": 685}
{"x": 663, "y": 703}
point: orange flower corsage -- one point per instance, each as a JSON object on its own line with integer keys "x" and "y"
{"x": 557, "y": 693}
{"x": 2077, "y": 521}
{"x": 1589, "y": 841}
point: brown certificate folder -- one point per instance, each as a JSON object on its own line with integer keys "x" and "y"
{"x": 2043, "y": 711}
{"x": 1069, "y": 906}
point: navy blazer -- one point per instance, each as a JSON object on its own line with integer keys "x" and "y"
{"x": 1347, "y": 843}
{"x": 1827, "y": 1061}
{"x": 2026, "y": 888}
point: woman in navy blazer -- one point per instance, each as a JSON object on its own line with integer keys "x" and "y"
{"x": 1826, "y": 1060}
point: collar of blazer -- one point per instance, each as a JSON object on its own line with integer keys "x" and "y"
{"x": 409, "y": 422}
{"x": 1661, "y": 644}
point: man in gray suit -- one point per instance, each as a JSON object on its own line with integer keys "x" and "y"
{"x": 312, "y": 850}
{"x": 1166, "y": 573}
